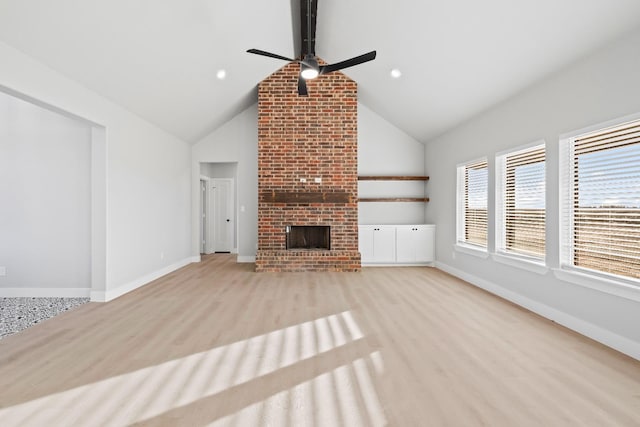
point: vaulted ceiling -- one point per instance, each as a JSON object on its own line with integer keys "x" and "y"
{"x": 159, "y": 58}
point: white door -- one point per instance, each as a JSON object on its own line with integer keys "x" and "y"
{"x": 222, "y": 209}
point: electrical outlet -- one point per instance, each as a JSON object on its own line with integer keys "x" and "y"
{"x": 318, "y": 180}
{"x": 161, "y": 255}
{"x": 303, "y": 180}
{"x": 3, "y": 271}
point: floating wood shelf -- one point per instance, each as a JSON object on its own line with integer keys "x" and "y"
{"x": 305, "y": 197}
{"x": 392, "y": 178}
{"x": 394, "y": 199}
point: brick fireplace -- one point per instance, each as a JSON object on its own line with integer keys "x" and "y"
{"x": 311, "y": 139}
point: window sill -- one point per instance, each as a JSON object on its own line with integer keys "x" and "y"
{"x": 606, "y": 285}
{"x": 525, "y": 264}
{"x": 471, "y": 250}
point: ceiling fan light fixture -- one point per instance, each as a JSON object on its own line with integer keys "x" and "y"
{"x": 309, "y": 73}
{"x": 309, "y": 68}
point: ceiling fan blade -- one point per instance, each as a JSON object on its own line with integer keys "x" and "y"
{"x": 302, "y": 86}
{"x": 329, "y": 68}
{"x": 270, "y": 55}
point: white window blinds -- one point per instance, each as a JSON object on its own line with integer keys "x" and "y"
{"x": 601, "y": 203}
{"x": 520, "y": 201}
{"x": 472, "y": 203}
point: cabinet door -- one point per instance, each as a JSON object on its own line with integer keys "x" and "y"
{"x": 405, "y": 244}
{"x": 424, "y": 243}
{"x": 384, "y": 244}
{"x": 415, "y": 243}
{"x": 365, "y": 242}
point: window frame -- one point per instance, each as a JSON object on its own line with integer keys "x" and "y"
{"x": 502, "y": 253}
{"x": 462, "y": 244}
{"x": 610, "y": 283}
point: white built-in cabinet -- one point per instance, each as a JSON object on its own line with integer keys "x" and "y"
{"x": 397, "y": 244}
{"x": 377, "y": 243}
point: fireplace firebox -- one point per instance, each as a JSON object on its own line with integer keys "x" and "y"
{"x": 308, "y": 237}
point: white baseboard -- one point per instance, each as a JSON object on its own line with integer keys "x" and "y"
{"x": 45, "y": 292}
{"x": 246, "y": 259}
{"x": 105, "y": 296}
{"x": 419, "y": 264}
{"x": 622, "y": 344}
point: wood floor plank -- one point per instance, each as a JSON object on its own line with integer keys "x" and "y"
{"x": 215, "y": 343}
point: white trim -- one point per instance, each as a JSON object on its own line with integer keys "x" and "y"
{"x": 99, "y": 208}
{"x": 593, "y": 279}
{"x": 500, "y": 215}
{"x": 111, "y": 294}
{"x": 45, "y": 292}
{"x": 537, "y": 267}
{"x": 622, "y": 344}
{"x": 234, "y": 251}
{"x": 461, "y": 169}
{"x": 602, "y": 284}
{"x": 245, "y": 259}
{"x": 523, "y": 147}
{"x": 417, "y": 264}
{"x": 472, "y": 161}
{"x": 599, "y": 126}
{"x": 476, "y": 251}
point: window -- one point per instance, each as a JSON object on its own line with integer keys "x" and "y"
{"x": 520, "y": 207}
{"x": 472, "y": 203}
{"x": 601, "y": 201}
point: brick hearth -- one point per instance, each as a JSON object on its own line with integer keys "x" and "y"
{"x": 307, "y": 137}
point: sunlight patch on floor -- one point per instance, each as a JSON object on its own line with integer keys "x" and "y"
{"x": 343, "y": 395}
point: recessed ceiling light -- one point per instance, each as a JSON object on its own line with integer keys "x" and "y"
{"x": 395, "y": 73}
{"x": 221, "y": 74}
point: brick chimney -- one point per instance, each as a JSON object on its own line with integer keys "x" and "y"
{"x": 312, "y": 138}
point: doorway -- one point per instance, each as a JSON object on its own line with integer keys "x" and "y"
{"x": 218, "y": 194}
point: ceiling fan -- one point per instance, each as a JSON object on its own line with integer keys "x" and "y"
{"x": 309, "y": 67}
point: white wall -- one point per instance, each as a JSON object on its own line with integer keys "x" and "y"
{"x": 234, "y": 142}
{"x": 147, "y": 176}
{"x": 45, "y": 199}
{"x": 384, "y": 149}
{"x": 599, "y": 88}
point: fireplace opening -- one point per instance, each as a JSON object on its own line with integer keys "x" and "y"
{"x": 310, "y": 237}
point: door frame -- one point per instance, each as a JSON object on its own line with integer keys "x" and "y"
{"x": 204, "y": 214}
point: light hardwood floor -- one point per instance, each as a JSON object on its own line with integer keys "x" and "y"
{"x": 217, "y": 344}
